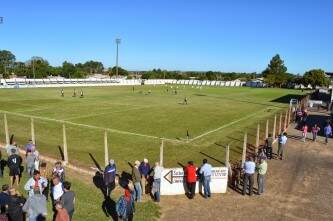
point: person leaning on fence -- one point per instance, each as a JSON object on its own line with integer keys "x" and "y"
{"x": 136, "y": 178}
{"x": 262, "y": 169}
{"x": 206, "y": 173}
{"x": 110, "y": 177}
{"x": 144, "y": 169}
{"x": 191, "y": 179}
{"x": 269, "y": 146}
{"x": 248, "y": 179}
{"x": 156, "y": 190}
{"x": 282, "y": 144}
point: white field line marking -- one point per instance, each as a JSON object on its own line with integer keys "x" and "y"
{"x": 110, "y": 112}
{"x": 89, "y": 126}
{"x": 224, "y": 126}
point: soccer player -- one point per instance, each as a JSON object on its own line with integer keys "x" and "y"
{"x": 185, "y": 100}
{"x": 81, "y": 93}
{"x": 74, "y": 93}
{"x": 62, "y": 93}
{"x": 14, "y": 163}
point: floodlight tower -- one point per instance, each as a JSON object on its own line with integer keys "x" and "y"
{"x": 118, "y": 40}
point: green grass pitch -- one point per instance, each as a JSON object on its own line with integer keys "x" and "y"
{"x": 137, "y": 119}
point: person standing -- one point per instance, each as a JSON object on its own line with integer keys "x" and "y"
{"x": 4, "y": 196}
{"x": 36, "y": 206}
{"x": 315, "y": 130}
{"x": 110, "y": 177}
{"x": 248, "y": 179}
{"x": 144, "y": 169}
{"x": 15, "y": 205}
{"x": 57, "y": 190}
{"x": 304, "y": 132}
{"x": 262, "y": 169}
{"x": 14, "y": 163}
{"x": 61, "y": 214}
{"x": 125, "y": 206}
{"x": 269, "y": 146}
{"x": 68, "y": 199}
{"x": 34, "y": 182}
{"x": 30, "y": 163}
{"x": 59, "y": 170}
{"x": 282, "y": 144}
{"x": 156, "y": 190}
{"x": 136, "y": 178}
{"x": 327, "y": 132}
{"x": 191, "y": 179}
{"x": 206, "y": 173}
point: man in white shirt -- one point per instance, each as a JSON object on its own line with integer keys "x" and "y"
{"x": 157, "y": 181}
{"x": 57, "y": 189}
{"x": 282, "y": 144}
{"x": 206, "y": 173}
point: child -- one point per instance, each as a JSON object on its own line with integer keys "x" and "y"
{"x": 315, "y": 130}
{"x": 304, "y": 132}
{"x": 59, "y": 171}
{"x": 30, "y": 163}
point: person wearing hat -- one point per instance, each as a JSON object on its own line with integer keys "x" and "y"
{"x": 110, "y": 176}
{"x": 136, "y": 178}
{"x": 144, "y": 169}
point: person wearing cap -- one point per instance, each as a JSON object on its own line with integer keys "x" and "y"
{"x": 144, "y": 169}
{"x": 136, "y": 178}
{"x": 110, "y": 176}
{"x": 191, "y": 179}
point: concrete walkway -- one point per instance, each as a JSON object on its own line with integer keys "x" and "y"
{"x": 297, "y": 188}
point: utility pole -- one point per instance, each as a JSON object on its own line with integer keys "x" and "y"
{"x": 118, "y": 40}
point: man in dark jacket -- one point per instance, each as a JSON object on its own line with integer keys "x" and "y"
{"x": 14, "y": 163}
{"x": 4, "y": 196}
{"x": 191, "y": 178}
{"x": 110, "y": 176}
{"x": 15, "y": 205}
{"x": 144, "y": 169}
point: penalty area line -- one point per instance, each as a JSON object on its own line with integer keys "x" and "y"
{"x": 224, "y": 126}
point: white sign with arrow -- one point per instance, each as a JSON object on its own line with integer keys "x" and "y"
{"x": 174, "y": 183}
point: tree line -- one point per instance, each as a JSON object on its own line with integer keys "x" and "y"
{"x": 275, "y": 75}
{"x": 38, "y": 67}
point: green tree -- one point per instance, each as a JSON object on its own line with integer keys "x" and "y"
{"x": 7, "y": 60}
{"x": 315, "y": 77}
{"x": 113, "y": 71}
{"x": 38, "y": 67}
{"x": 68, "y": 70}
{"x": 276, "y": 72}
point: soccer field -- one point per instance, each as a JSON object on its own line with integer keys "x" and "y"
{"x": 135, "y": 121}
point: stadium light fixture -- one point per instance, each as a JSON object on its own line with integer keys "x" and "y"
{"x": 118, "y": 40}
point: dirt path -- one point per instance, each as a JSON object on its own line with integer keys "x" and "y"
{"x": 297, "y": 188}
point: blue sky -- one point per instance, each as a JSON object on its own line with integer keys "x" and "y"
{"x": 238, "y": 35}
